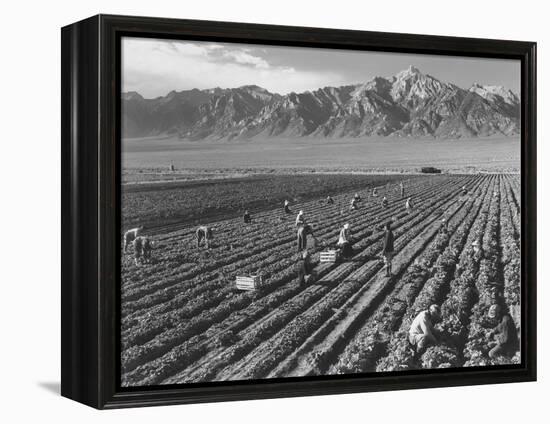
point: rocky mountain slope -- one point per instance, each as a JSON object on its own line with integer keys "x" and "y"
{"x": 409, "y": 104}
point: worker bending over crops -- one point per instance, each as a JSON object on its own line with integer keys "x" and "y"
{"x": 300, "y": 219}
{"x": 464, "y": 191}
{"x": 422, "y": 332}
{"x": 504, "y": 335}
{"x": 374, "y": 192}
{"x": 305, "y": 272}
{"x": 444, "y": 228}
{"x": 385, "y": 202}
{"x": 287, "y": 207}
{"x": 357, "y": 197}
{"x": 246, "y": 217}
{"x": 330, "y": 200}
{"x": 143, "y": 247}
{"x": 388, "y": 249}
{"x": 130, "y": 235}
{"x": 303, "y": 232}
{"x": 344, "y": 241}
{"x": 204, "y": 233}
{"x": 408, "y": 205}
{"x": 353, "y": 204}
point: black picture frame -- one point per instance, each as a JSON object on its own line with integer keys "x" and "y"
{"x": 90, "y": 139}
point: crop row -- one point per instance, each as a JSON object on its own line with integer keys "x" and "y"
{"x": 372, "y": 339}
{"x": 177, "y": 335}
{"x": 399, "y": 354}
{"x": 185, "y": 350}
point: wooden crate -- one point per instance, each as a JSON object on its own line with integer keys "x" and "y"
{"x": 330, "y": 256}
{"x": 251, "y": 282}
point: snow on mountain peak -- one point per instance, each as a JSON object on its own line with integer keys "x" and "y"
{"x": 490, "y": 91}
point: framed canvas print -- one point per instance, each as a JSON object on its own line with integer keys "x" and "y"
{"x": 253, "y": 211}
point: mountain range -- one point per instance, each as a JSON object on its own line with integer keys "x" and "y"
{"x": 409, "y": 104}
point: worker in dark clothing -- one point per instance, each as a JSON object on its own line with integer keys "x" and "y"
{"x": 305, "y": 272}
{"x": 504, "y": 335}
{"x": 138, "y": 250}
{"x": 303, "y": 232}
{"x": 388, "y": 249}
{"x": 402, "y": 189}
{"x": 204, "y": 233}
{"x": 287, "y": 207}
{"x": 330, "y": 200}
{"x": 357, "y": 197}
{"x": 385, "y": 202}
{"x": 146, "y": 248}
{"x": 246, "y": 217}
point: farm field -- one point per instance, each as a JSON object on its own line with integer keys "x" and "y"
{"x": 183, "y": 320}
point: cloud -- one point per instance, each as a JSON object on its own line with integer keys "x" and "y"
{"x": 155, "y": 67}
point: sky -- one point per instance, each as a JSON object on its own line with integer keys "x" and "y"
{"x": 155, "y": 67}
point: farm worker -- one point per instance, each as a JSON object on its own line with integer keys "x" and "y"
{"x": 246, "y": 217}
{"x": 353, "y": 205}
{"x": 504, "y": 335}
{"x": 374, "y": 192}
{"x": 402, "y": 189}
{"x": 142, "y": 249}
{"x": 306, "y": 268}
{"x": 408, "y": 205}
{"x": 388, "y": 249}
{"x": 444, "y": 226}
{"x": 138, "y": 249}
{"x": 204, "y": 233}
{"x": 357, "y": 197}
{"x": 303, "y": 232}
{"x": 475, "y": 246}
{"x": 287, "y": 208}
{"x": 300, "y": 220}
{"x": 130, "y": 235}
{"x": 464, "y": 191}
{"x": 385, "y": 202}
{"x": 330, "y": 200}
{"x": 344, "y": 241}
{"x": 422, "y": 333}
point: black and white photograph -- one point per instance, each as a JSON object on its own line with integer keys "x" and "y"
{"x": 298, "y": 212}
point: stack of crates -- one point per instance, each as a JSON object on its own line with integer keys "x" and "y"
{"x": 248, "y": 283}
{"x": 329, "y": 256}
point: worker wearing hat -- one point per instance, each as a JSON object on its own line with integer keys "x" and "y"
{"x": 422, "y": 332}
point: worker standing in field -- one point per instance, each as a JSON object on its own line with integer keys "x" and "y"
{"x": 388, "y": 248}
{"x": 504, "y": 335}
{"x": 130, "y": 235}
{"x": 300, "y": 219}
{"x": 246, "y": 217}
{"x": 385, "y": 202}
{"x": 204, "y": 233}
{"x": 330, "y": 200}
{"x": 402, "y": 189}
{"x": 408, "y": 205}
{"x": 344, "y": 241}
{"x": 422, "y": 332}
{"x": 287, "y": 207}
{"x": 302, "y": 233}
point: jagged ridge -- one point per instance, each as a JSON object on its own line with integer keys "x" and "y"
{"x": 408, "y": 104}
